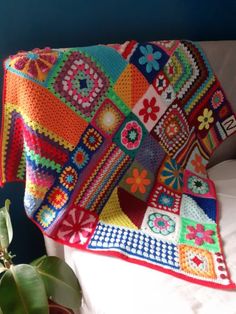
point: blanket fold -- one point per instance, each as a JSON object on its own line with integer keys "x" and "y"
{"x": 112, "y": 142}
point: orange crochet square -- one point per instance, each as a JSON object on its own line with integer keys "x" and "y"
{"x": 196, "y": 261}
{"x": 41, "y": 107}
{"x": 131, "y": 85}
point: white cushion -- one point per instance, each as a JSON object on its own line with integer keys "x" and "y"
{"x": 113, "y": 286}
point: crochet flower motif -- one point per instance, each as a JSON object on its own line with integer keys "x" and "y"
{"x": 35, "y": 63}
{"x": 172, "y": 174}
{"x": 69, "y": 178}
{"x": 45, "y": 216}
{"x": 131, "y": 135}
{"x": 197, "y": 185}
{"x": 206, "y": 119}
{"x": 161, "y": 83}
{"x": 92, "y": 139}
{"x": 138, "y": 181}
{"x": 161, "y": 224}
{"x": 172, "y": 129}
{"x": 80, "y": 158}
{"x": 149, "y": 110}
{"x": 217, "y": 99}
{"x": 108, "y": 118}
{"x": 57, "y": 197}
{"x": 149, "y": 58}
{"x": 197, "y": 164}
{"x": 166, "y": 200}
{"x": 199, "y": 234}
{"x": 77, "y": 227}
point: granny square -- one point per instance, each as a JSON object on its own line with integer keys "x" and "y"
{"x": 113, "y": 143}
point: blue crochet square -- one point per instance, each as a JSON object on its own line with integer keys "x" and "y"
{"x": 208, "y": 205}
{"x": 149, "y": 59}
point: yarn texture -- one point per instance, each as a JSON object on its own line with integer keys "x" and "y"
{"x": 112, "y": 143}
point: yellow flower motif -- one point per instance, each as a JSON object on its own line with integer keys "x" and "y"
{"x": 205, "y": 119}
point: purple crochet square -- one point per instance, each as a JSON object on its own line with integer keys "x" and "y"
{"x": 150, "y": 154}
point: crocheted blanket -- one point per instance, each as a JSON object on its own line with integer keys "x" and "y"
{"x": 112, "y": 142}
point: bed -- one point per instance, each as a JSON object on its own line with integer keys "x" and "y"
{"x": 115, "y": 286}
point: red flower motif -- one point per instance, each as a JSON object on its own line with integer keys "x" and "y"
{"x": 150, "y": 110}
{"x": 200, "y": 235}
{"x": 217, "y": 99}
{"x": 77, "y": 227}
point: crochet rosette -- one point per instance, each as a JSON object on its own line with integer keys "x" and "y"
{"x": 112, "y": 142}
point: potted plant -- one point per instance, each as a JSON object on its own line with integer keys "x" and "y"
{"x": 46, "y": 286}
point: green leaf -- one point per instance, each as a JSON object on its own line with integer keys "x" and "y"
{"x": 1, "y": 311}
{"x": 60, "y": 281}
{"x": 8, "y": 220}
{"x": 6, "y": 233}
{"x": 37, "y": 261}
{"x": 7, "y": 204}
{"x": 4, "y": 238}
{"x": 22, "y": 291}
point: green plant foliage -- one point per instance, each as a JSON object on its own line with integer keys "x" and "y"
{"x": 22, "y": 291}
{"x": 6, "y": 233}
{"x": 60, "y": 281}
{"x": 26, "y": 289}
{"x": 2, "y": 268}
{"x": 38, "y": 260}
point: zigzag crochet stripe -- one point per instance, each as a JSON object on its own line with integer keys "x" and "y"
{"x": 102, "y": 177}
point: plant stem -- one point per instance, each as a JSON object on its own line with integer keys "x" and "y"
{"x": 6, "y": 257}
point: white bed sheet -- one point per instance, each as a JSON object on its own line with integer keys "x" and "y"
{"x": 113, "y": 286}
